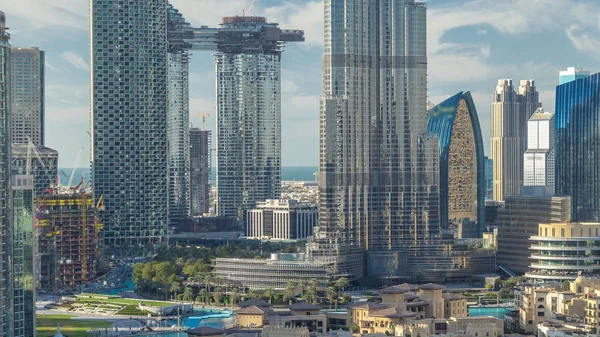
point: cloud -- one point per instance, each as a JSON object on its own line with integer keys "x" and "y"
{"x": 44, "y": 15}
{"x": 306, "y": 16}
{"x": 50, "y": 66}
{"x": 75, "y": 60}
{"x": 584, "y": 40}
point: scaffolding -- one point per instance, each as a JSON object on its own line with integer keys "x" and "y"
{"x": 69, "y": 236}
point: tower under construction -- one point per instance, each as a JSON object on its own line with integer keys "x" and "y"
{"x": 69, "y": 236}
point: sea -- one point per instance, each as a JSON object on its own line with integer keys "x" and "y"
{"x": 288, "y": 173}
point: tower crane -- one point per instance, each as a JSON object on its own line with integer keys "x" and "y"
{"x": 203, "y": 115}
{"x": 247, "y": 10}
{"x": 75, "y": 166}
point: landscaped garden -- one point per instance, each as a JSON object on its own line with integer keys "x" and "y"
{"x": 47, "y": 324}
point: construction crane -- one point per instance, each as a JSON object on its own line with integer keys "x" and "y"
{"x": 203, "y": 115}
{"x": 247, "y": 10}
{"x": 75, "y": 166}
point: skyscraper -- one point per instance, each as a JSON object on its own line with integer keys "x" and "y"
{"x": 248, "y": 58}
{"x": 178, "y": 141}
{"x": 199, "y": 171}
{"x": 378, "y": 168}
{"x": 6, "y": 288}
{"x": 462, "y": 163}
{"x": 24, "y": 256}
{"x": 539, "y": 157}
{"x": 129, "y": 121}
{"x": 572, "y": 74}
{"x": 27, "y": 91}
{"x": 510, "y": 112}
{"x": 577, "y": 150}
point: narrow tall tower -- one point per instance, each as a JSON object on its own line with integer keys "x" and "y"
{"x": 539, "y": 158}
{"x": 27, "y": 93}
{"x": 200, "y": 171}
{"x": 510, "y": 112}
{"x": 378, "y": 170}
{"x": 248, "y": 66}
{"x": 129, "y": 121}
{"x": 6, "y": 244}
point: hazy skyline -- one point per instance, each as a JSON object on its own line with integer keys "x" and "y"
{"x": 471, "y": 44}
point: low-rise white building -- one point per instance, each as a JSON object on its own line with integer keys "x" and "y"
{"x": 281, "y": 219}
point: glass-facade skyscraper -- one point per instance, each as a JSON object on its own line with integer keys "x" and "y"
{"x": 200, "y": 157}
{"x": 572, "y": 74}
{"x": 129, "y": 121}
{"x": 577, "y": 151}
{"x": 248, "y": 67}
{"x": 462, "y": 164}
{"x": 24, "y": 253}
{"x": 27, "y": 92}
{"x": 539, "y": 158}
{"x": 378, "y": 168}
{"x": 6, "y": 289}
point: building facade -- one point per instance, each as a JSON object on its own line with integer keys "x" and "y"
{"x": 248, "y": 69}
{"x": 518, "y": 220}
{"x": 129, "y": 122}
{"x": 6, "y": 296}
{"x": 572, "y": 74}
{"x": 24, "y": 256}
{"x": 577, "y": 165}
{"x": 178, "y": 140}
{"x": 275, "y": 272}
{"x": 44, "y": 165}
{"x": 69, "y": 240}
{"x": 377, "y": 165}
{"x": 462, "y": 166}
{"x": 200, "y": 158}
{"x": 510, "y": 112}
{"x": 563, "y": 251}
{"x": 281, "y": 219}
{"x": 539, "y": 157}
{"x": 27, "y": 66}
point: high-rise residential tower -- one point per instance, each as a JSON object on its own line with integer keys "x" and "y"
{"x": 510, "y": 112}
{"x": 462, "y": 164}
{"x": 199, "y": 171}
{"x": 129, "y": 121}
{"x": 378, "y": 168}
{"x": 6, "y": 296}
{"x": 248, "y": 66}
{"x": 27, "y": 91}
{"x": 572, "y": 74}
{"x": 178, "y": 141}
{"x": 24, "y": 255}
{"x": 577, "y": 150}
{"x": 539, "y": 157}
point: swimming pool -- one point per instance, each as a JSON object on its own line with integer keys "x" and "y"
{"x": 497, "y": 312}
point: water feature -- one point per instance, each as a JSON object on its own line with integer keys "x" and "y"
{"x": 127, "y": 286}
{"x": 497, "y": 312}
{"x": 214, "y": 318}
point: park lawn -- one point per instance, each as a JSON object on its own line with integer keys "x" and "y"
{"x": 118, "y": 300}
{"x": 46, "y": 325}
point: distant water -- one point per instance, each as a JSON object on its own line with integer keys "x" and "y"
{"x": 292, "y": 173}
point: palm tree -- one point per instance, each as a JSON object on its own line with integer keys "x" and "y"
{"x": 341, "y": 284}
{"x": 188, "y": 294}
{"x": 234, "y": 297}
{"x": 311, "y": 291}
{"x": 175, "y": 288}
{"x": 202, "y": 293}
{"x": 302, "y": 287}
{"x": 331, "y": 296}
{"x": 217, "y": 296}
{"x": 269, "y": 292}
{"x": 290, "y": 291}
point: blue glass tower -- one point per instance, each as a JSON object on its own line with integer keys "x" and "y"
{"x": 462, "y": 162}
{"x": 578, "y": 146}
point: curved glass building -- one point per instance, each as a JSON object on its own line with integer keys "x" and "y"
{"x": 462, "y": 167}
{"x": 578, "y": 146}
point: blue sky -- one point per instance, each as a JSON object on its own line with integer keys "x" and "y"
{"x": 471, "y": 44}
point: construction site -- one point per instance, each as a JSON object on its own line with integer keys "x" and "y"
{"x": 69, "y": 237}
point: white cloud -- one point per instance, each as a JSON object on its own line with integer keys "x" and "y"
{"x": 584, "y": 40}
{"x": 51, "y": 67}
{"x": 75, "y": 60}
{"x": 43, "y": 14}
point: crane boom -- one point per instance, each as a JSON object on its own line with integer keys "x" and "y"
{"x": 75, "y": 166}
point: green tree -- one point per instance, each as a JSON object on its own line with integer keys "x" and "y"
{"x": 202, "y": 294}
{"x": 566, "y": 286}
{"x": 354, "y": 329}
{"x": 268, "y": 293}
{"x": 289, "y": 291}
{"x": 199, "y": 298}
{"x": 175, "y": 288}
{"x": 341, "y": 284}
{"x": 331, "y": 296}
{"x": 217, "y": 296}
{"x": 188, "y": 294}
{"x": 346, "y": 298}
{"x": 235, "y": 296}
{"x": 489, "y": 286}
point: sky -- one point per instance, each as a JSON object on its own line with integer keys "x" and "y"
{"x": 471, "y": 44}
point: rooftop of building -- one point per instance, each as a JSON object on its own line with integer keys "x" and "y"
{"x": 304, "y": 306}
{"x": 399, "y": 289}
{"x": 453, "y": 297}
{"x": 205, "y": 331}
{"x": 254, "y": 310}
{"x": 255, "y": 302}
{"x": 431, "y": 286}
{"x": 22, "y": 150}
{"x": 393, "y": 312}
